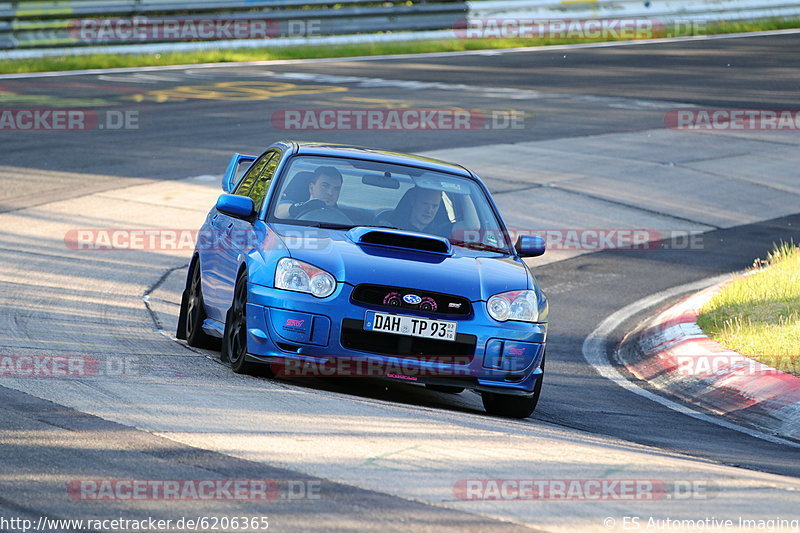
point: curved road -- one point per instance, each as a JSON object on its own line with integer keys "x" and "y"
{"x": 386, "y": 456}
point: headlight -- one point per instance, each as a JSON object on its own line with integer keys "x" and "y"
{"x": 294, "y": 275}
{"x": 514, "y": 305}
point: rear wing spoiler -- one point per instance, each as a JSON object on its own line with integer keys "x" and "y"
{"x": 236, "y": 168}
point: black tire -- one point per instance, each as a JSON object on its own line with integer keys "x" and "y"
{"x": 513, "y": 406}
{"x": 235, "y": 338}
{"x": 449, "y": 389}
{"x": 509, "y": 406}
{"x": 195, "y": 314}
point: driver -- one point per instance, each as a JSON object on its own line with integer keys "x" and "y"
{"x": 323, "y": 190}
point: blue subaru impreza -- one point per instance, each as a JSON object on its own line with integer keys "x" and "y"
{"x": 332, "y": 260}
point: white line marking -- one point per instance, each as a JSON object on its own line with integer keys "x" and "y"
{"x": 401, "y": 56}
{"x": 594, "y": 351}
{"x": 168, "y": 335}
{"x": 506, "y": 93}
{"x": 142, "y": 78}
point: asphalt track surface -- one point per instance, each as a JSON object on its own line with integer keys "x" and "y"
{"x": 580, "y": 92}
{"x": 574, "y": 95}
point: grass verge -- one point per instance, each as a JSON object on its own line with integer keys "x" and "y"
{"x": 347, "y": 50}
{"x": 758, "y": 315}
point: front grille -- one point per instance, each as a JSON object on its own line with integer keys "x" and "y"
{"x": 355, "y": 338}
{"x": 430, "y": 302}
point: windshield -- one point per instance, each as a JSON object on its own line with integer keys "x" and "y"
{"x": 341, "y": 193}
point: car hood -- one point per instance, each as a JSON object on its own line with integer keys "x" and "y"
{"x": 476, "y": 275}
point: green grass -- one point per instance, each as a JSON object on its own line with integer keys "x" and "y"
{"x": 350, "y": 50}
{"x": 758, "y": 314}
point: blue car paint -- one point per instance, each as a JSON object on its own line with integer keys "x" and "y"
{"x": 228, "y": 178}
{"x": 338, "y": 306}
{"x": 475, "y": 275}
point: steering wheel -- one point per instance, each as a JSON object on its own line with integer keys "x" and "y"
{"x": 331, "y": 215}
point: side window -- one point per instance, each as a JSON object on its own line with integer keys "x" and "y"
{"x": 246, "y": 184}
{"x": 259, "y": 189}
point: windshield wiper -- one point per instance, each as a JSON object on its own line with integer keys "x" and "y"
{"x": 373, "y": 226}
{"x": 328, "y": 225}
{"x": 335, "y": 225}
{"x": 473, "y": 245}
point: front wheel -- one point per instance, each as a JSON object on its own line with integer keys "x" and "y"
{"x": 513, "y": 406}
{"x": 449, "y": 389}
{"x": 235, "y": 338}
{"x": 509, "y": 406}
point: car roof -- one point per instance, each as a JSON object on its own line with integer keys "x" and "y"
{"x": 372, "y": 154}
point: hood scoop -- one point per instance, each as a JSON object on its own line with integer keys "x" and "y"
{"x": 407, "y": 240}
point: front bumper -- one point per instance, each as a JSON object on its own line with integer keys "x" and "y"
{"x": 325, "y": 337}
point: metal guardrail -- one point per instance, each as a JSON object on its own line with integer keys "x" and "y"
{"x": 26, "y": 25}
{"x": 56, "y": 9}
{"x": 50, "y": 27}
{"x": 699, "y": 10}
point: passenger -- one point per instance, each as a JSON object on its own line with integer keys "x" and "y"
{"x": 424, "y": 208}
{"x": 420, "y": 210}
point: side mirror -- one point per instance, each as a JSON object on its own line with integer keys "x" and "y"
{"x": 236, "y": 206}
{"x": 236, "y": 169}
{"x": 530, "y": 246}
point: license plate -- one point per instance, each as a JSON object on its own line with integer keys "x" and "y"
{"x": 410, "y": 325}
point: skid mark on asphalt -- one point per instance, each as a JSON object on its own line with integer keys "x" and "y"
{"x": 585, "y": 280}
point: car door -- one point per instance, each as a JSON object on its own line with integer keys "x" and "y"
{"x": 214, "y": 258}
{"x": 239, "y": 236}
